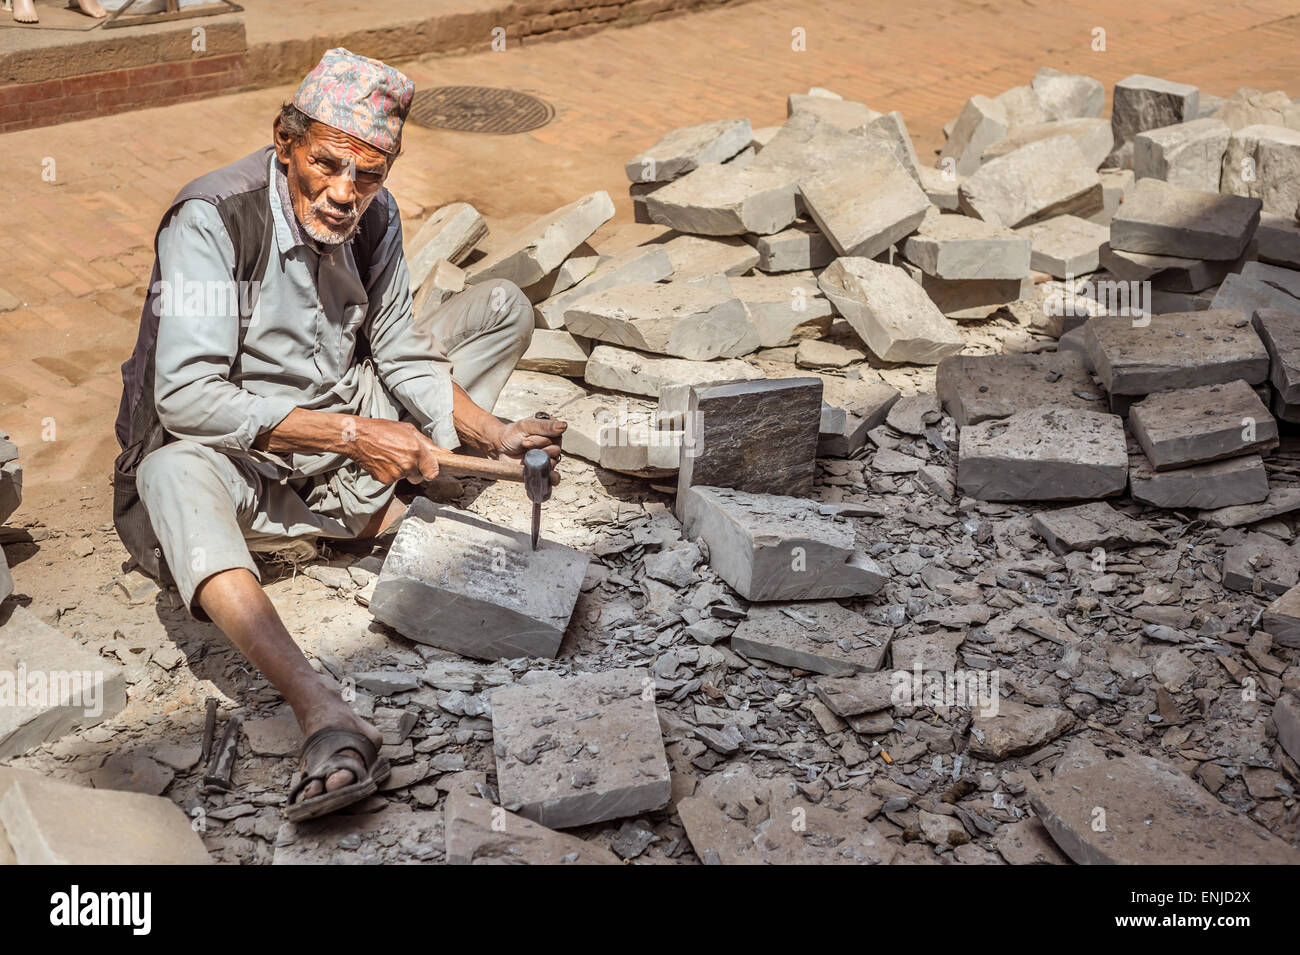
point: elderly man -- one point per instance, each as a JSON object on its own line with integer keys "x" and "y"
{"x": 290, "y": 411}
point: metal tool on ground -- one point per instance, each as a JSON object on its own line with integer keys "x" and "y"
{"x": 220, "y": 775}
{"x": 538, "y": 474}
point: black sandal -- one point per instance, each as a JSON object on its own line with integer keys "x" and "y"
{"x": 322, "y": 756}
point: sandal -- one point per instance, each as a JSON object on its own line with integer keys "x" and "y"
{"x": 322, "y": 755}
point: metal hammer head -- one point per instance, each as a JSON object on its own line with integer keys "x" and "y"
{"x": 537, "y": 475}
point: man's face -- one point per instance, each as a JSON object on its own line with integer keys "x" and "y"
{"x": 332, "y": 179}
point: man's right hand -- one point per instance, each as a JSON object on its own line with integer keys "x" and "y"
{"x": 392, "y": 450}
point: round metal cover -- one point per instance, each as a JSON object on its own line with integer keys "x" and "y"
{"x": 479, "y": 109}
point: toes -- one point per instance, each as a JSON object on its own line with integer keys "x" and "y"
{"x": 313, "y": 788}
{"x": 338, "y": 779}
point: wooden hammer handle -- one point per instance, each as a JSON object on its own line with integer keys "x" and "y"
{"x": 463, "y": 465}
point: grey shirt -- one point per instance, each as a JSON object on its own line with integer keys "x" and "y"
{"x": 299, "y": 346}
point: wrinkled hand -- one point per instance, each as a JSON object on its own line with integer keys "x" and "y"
{"x": 392, "y": 450}
{"x": 528, "y": 433}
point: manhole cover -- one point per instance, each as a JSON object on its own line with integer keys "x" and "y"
{"x": 479, "y": 109}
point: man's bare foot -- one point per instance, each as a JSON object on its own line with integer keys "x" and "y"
{"x": 25, "y": 11}
{"x": 335, "y": 713}
{"x": 91, "y": 8}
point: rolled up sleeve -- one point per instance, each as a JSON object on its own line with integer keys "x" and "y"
{"x": 413, "y": 366}
{"x": 198, "y": 337}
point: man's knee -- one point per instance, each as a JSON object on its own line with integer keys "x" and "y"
{"x": 510, "y": 310}
{"x": 174, "y": 464}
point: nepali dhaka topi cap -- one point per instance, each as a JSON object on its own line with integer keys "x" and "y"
{"x": 360, "y": 96}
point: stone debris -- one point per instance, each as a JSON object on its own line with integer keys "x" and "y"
{"x": 1015, "y": 729}
{"x": 722, "y": 421}
{"x": 959, "y": 247}
{"x": 1044, "y": 454}
{"x": 670, "y": 318}
{"x": 1199, "y": 425}
{"x": 443, "y": 562}
{"x": 1047, "y": 178}
{"x": 529, "y": 254}
{"x": 890, "y": 312}
{"x": 386, "y": 834}
{"x": 688, "y": 148}
{"x": 851, "y": 408}
{"x": 1281, "y": 619}
{"x": 49, "y": 822}
{"x": 451, "y": 234}
{"x": 1092, "y": 525}
{"x": 1160, "y": 218}
{"x": 581, "y": 749}
{"x": 1260, "y": 563}
{"x": 976, "y": 388}
{"x": 1151, "y": 812}
{"x": 770, "y": 547}
{"x": 89, "y": 688}
{"x": 1065, "y": 246}
{"x": 479, "y": 833}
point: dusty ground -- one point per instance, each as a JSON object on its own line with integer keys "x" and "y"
{"x": 77, "y": 256}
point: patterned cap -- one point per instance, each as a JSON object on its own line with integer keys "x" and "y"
{"x": 360, "y": 96}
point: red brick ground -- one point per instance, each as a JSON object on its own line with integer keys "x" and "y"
{"x": 76, "y": 250}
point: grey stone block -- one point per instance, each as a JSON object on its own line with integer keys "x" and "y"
{"x": 1142, "y": 102}
{"x": 638, "y": 264}
{"x": 1286, "y": 716}
{"x": 982, "y": 122}
{"x": 890, "y": 312}
{"x": 1091, "y": 525}
{"x": 891, "y": 131}
{"x": 1280, "y": 500}
{"x": 959, "y": 247}
{"x": 11, "y": 488}
{"x": 455, "y": 581}
{"x": 638, "y": 374}
{"x": 1198, "y": 425}
{"x": 689, "y": 147}
{"x": 724, "y": 425}
{"x": 1251, "y": 107}
{"x": 1249, "y": 295}
{"x": 784, "y": 309}
{"x": 864, "y": 204}
{"x": 940, "y": 187}
{"x": 669, "y": 318}
{"x": 850, "y": 409}
{"x": 801, "y": 246}
{"x": 697, "y": 256}
{"x": 1278, "y": 240}
{"x": 1189, "y": 155}
{"x": 620, "y": 434}
{"x": 529, "y": 254}
{"x": 450, "y": 234}
{"x": 1043, "y": 179}
{"x": 1282, "y": 620}
{"x": 1264, "y": 162}
{"x": 50, "y": 685}
{"x": 1180, "y": 350}
{"x": 1240, "y": 480}
{"x": 1065, "y": 246}
{"x": 555, "y": 352}
{"x": 1261, "y": 564}
{"x": 578, "y": 750}
{"x": 1280, "y": 333}
{"x": 1044, "y": 454}
{"x": 1163, "y": 219}
{"x": 1155, "y": 814}
{"x": 768, "y": 547}
{"x": 1092, "y": 135}
{"x": 818, "y": 636}
{"x": 1068, "y": 95}
{"x": 965, "y": 300}
{"x": 976, "y": 388}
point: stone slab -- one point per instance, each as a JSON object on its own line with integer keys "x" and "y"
{"x": 1286, "y": 716}
{"x": 526, "y": 256}
{"x": 50, "y": 685}
{"x": 1068, "y": 95}
{"x": 11, "y": 488}
{"x": 395, "y": 834}
{"x": 669, "y": 318}
{"x": 689, "y": 147}
{"x": 981, "y": 123}
{"x": 479, "y": 833}
{"x": 1199, "y": 425}
{"x": 1177, "y": 350}
{"x": 801, "y": 246}
{"x": 1277, "y": 240}
{"x": 784, "y": 309}
{"x": 621, "y": 434}
{"x": 1189, "y": 154}
{"x": 1087, "y": 526}
{"x": 1264, "y": 162}
{"x": 639, "y": 374}
{"x": 638, "y": 264}
{"x": 1280, "y": 500}
{"x": 1092, "y": 134}
{"x": 769, "y": 547}
{"x": 1249, "y": 295}
{"x": 699, "y": 256}
{"x": 850, "y": 409}
{"x": 1282, "y": 619}
{"x": 975, "y": 388}
{"x": 1047, "y": 178}
{"x": 1280, "y": 333}
{"x": 1044, "y": 454}
{"x": 554, "y": 351}
{"x": 1154, "y": 814}
{"x": 53, "y": 823}
{"x": 578, "y": 750}
{"x": 817, "y": 636}
{"x": 455, "y": 581}
{"x": 1164, "y": 219}
{"x": 891, "y": 313}
{"x": 450, "y": 234}
{"x": 864, "y": 204}
{"x": 855, "y": 694}
{"x": 1261, "y": 564}
{"x": 1241, "y": 480}
{"x": 1065, "y": 246}
{"x": 1143, "y": 102}
{"x": 528, "y": 392}
{"x": 959, "y": 247}
{"x": 757, "y": 436}
{"x": 1015, "y": 729}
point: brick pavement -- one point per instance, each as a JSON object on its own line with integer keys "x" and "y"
{"x": 76, "y": 250}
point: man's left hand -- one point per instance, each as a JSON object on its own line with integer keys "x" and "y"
{"x": 528, "y": 433}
